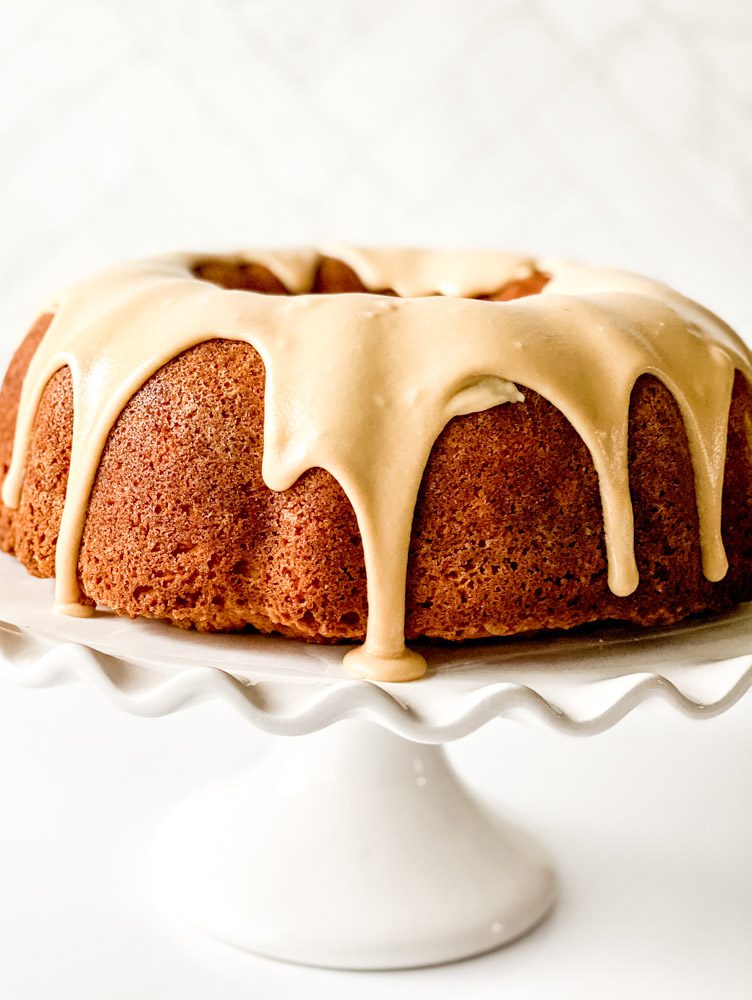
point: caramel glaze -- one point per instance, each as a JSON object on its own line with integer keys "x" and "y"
{"x": 361, "y": 383}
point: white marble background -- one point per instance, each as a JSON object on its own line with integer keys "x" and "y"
{"x": 617, "y": 132}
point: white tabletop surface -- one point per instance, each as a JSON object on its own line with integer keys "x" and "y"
{"x": 650, "y": 825}
{"x": 614, "y": 132}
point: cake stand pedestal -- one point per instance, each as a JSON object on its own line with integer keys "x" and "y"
{"x": 357, "y": 846}
{"x": 352, "y": 848}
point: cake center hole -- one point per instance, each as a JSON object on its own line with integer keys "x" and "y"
{"x": 333, "y": 277}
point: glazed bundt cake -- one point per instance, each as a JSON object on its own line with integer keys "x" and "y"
{"x": 373, "y": 445}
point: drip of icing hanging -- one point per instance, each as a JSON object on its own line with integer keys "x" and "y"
{"x": 362, "y": 384}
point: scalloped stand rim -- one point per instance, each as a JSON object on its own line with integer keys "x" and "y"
{"x": 206, "y": 870}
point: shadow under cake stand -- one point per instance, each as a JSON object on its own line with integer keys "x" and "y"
{"x": 358, "y": 847}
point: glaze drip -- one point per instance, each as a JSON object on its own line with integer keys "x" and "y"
{"x": 361, "y": 384}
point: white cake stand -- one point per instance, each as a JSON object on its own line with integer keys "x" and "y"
{"x": 358, "y": 847}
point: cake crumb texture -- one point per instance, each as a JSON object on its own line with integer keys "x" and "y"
{"x": 507, "y": 535}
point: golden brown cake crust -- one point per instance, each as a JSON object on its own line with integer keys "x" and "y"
{"x": 507, "y": 535}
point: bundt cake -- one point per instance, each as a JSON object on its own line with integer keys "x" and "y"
{"x": 377, "y": 444}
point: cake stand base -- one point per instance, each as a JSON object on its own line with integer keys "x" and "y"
{"x": 351, "y": 848}
{"x": 357, "y": 847}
